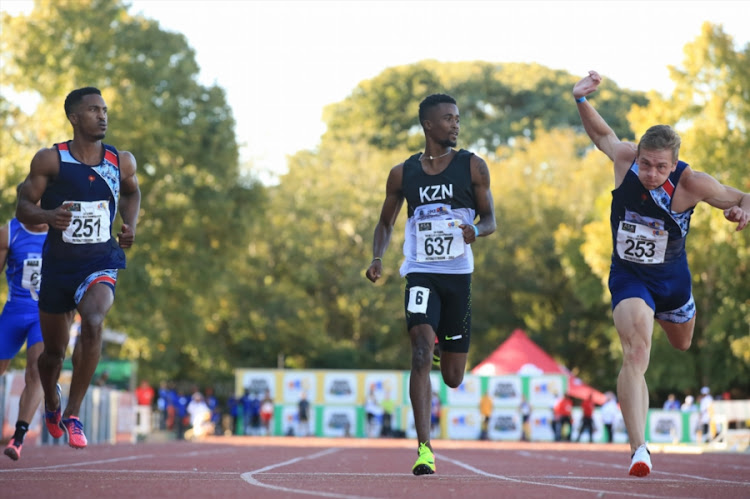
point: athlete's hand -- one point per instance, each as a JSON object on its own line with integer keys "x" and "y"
{"x": 126, "y": 236}
{"x": 468, "y": 232}
{"x": 375, "y": 270}
{"x": 61, "y": 216}
{"x": 737, "y": 214}
{"x": 587, "y": 85}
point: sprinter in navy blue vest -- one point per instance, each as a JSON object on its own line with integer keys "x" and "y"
{"x": 81, "y": 184}
{"x": 445, "y": 190}
{"x": 649, "y": 279}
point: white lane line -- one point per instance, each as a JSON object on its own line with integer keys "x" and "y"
{"x": 611, "y": 465}
{"x": 83, "y": 463}
{"x": 249, "y": 478}
{"x": 599, "y": 492}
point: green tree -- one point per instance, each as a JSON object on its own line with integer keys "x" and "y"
{"x": 176, "y": 295}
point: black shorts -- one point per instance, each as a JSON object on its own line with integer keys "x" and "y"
{"x": 444, "y": 302}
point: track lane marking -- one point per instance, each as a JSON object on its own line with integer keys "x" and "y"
{"x": 249, "y": 478}
{"x": 599, "y": 492}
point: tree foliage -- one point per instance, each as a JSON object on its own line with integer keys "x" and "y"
{"x": 226, "y": 273}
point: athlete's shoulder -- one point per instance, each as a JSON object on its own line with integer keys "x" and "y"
{"x": 46, "y": 161}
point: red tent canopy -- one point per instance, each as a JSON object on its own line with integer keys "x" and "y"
{"x": 519, "y": 355}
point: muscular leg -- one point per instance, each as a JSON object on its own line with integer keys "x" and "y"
{"x": 680, "y": 336}
{"x": 453, "y": 366}
{"x": 93, "y": 309}
{"x": 32, "y": 392}
{"x": 56, "y": 333}
{"x": 420, "y": 389}
{"x": 634, "y": 321}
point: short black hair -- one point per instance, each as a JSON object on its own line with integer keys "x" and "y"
{"x": 76, "y": 96}
{"x": 431, "y": 101}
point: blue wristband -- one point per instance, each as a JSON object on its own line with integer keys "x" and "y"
{"x": 476, "y": 231}
{"x": 581, "y": 99}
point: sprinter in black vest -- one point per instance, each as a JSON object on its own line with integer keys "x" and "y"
{"x": 445, "y": 191}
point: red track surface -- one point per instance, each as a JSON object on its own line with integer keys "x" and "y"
{"x": 262, "y": 468}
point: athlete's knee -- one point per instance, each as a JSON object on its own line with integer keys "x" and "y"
{"x": 92, "y": 323}
{"x": 636, "y": 354}
{"x": 453, "y": 378}
{"x": 681, "y": 344}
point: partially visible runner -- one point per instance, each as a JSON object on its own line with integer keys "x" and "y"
{"x": 80, "y": 184}
{"x": 444, "y": 190}
{"x": 652, "y": 202}
{"x": 21, "y": 249}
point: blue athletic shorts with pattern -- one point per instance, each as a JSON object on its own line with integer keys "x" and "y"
{"x": 671, "y": 298}
{"x": 61, "y": 293}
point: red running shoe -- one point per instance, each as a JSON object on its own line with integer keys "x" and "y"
{"x": 74, "y": 428}
{"x": 13, "y": 450}
{"x": 52, "y": 418}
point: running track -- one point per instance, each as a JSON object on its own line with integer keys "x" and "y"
{"x": 278, "y": 467}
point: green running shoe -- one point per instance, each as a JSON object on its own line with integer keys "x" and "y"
{"x": 425, "y": 464}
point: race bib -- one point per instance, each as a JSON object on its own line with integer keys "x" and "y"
{"x": 90, "y": 223}
{"x": 439, "y": 240}
{"x": 419, "y": 296}
{"x": 641, "y": 244}
{"x": 32, "y": 274}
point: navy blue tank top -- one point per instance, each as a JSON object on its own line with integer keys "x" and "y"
{"x": 647, "y": 236}
{"x": 94, "y": 191}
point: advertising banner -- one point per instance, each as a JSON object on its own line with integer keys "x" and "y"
{"x": 337, "y": 421}
{"x": 544, "y": 390}
{"x": 505, "y": 424}
{"x": 295, "y": 383}
{"x": 340, "y": 387}
{"x": 289, "y": 424}
{"x": 467, "y": 394}
{"x": 664, "y": 426}
{"x": 258, "y": 381}
{"x": 463, "y": 423}
{"x": 540, "y": 423}
{"x": 506, "y": 391}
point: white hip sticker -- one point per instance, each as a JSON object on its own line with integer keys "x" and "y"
{"x": 418, "y": 298}
{"x": 90, "y": 223}
{"x": 641, "y": 244}
{"x": 439, "y": 240}
{"x": 32, "y": 274}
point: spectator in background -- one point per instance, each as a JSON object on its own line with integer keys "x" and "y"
{"x": 233, "y": 405}
{"x": 485, "y": 409}
{"x": 563, "y": 411}
{"x": 213, "y": 404}
{"x": 587, "y": 421}
{"x": 435, "y": 409}
{"x": 303, "y": 416}
{"x": 181, "y": 417}
{"x": 144, "y": 394}
{"x": 706, "y": 410}
{"x": 161, "y": 404}
{"x": 199, "y": 415}
{"x": 689, "y": 404}
{"x": 373, "y": 411}
{"x": 388, "y": 407}
{"x": 525, "y": 409}
{"x": 609, "y": 414}
{"x": 266, "y": 413}
{"x": 671, "y": 404}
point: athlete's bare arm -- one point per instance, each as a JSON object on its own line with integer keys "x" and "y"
{"x": 4, "y": 245}
{"x": 44, "y": 168}
{"x": 394, "y": 199}
{"x": 480, "y": 180}
{"x": 130, "y": 199}
{"x": 699, "y": 186}
{"x": 603, "y": 137}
